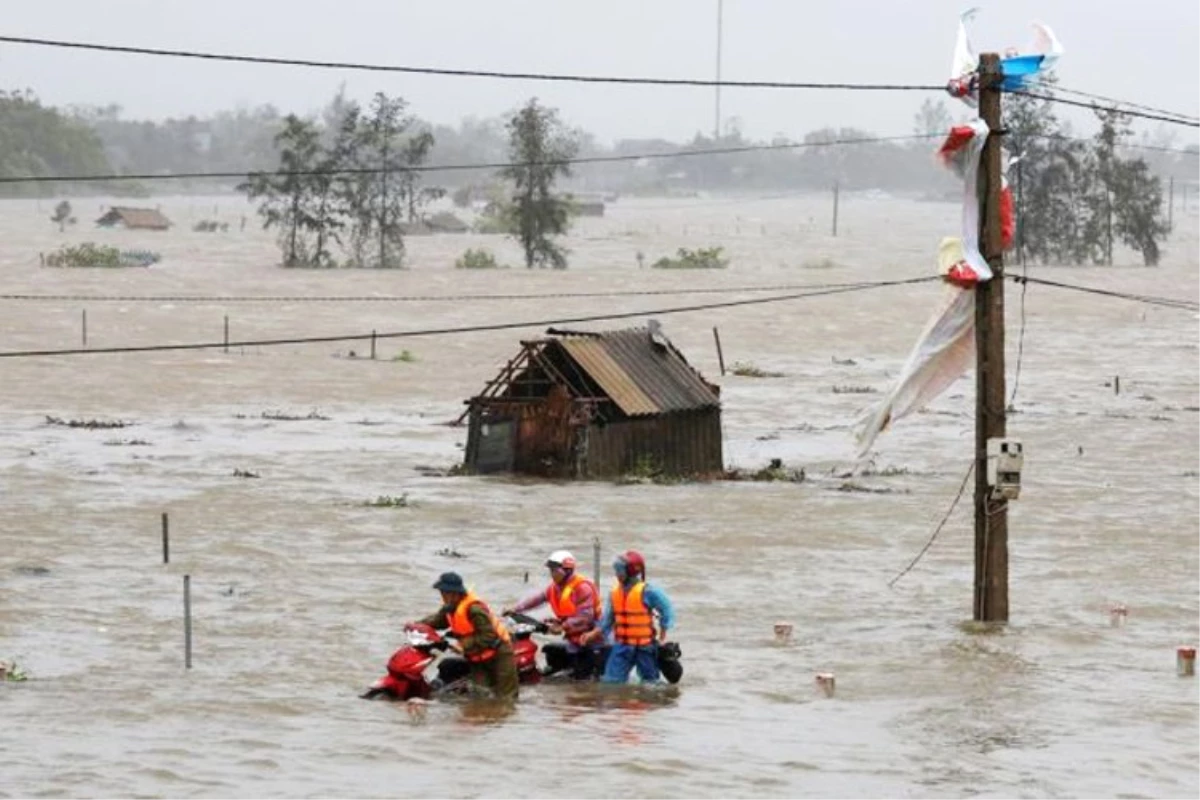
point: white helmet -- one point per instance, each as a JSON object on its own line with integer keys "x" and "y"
{"x": 561, "y": 558}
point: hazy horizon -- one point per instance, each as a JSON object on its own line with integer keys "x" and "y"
{"x": 1143, "y": 53}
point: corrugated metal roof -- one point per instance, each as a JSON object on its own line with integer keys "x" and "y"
{"x": 641, "y": 377}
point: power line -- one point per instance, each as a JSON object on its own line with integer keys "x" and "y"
{"x": 1186, "y": 305}
{"x": 1140, "y": 114}
{"x": 937, "y": 530}
{"x": 466, "y": 73}
{"x": 465, "y": 167}
{"x": 1118, "y": 102}
{"x": 463, "y": 329}
{"x": 217, "y": 299}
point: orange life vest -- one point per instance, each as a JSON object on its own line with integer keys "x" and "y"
{"x": 634, "y": 622}
{"x": 461, "y": 626}
{"x": 562, "y": 601}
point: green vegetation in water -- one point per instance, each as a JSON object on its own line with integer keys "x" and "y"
{"x": 90, "y": 254}
{"x": 388, "y": 501}
{"x": 745, "y": 370}
{"x": 704, "y": 258}
{"x": 406, "y": 356}
{"x": 855, "y": 390}
{"x": 11, "y": 671}
{"x": 477, "y": 259}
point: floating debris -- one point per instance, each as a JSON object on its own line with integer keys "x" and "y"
{"x": 281, "y": 416}
{"x": 844, "y": 362}
{"x": 450, "y": 552}
{"x": 245, "y": 473}
{"x": 34, "y": 571}
{"x": 128, "y": 443}
{"x": 851, "y": 486}
{"x": 745, "y": 370}
{"x": 855, "y": 390}
{"x": 89, "y": 424}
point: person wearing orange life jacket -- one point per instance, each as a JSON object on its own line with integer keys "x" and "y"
{"x": 483, "y": 639}
{"x": 630, "y": 616}
{"x": 575, "y": 602}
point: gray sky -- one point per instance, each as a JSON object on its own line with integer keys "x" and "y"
{"x": 1141, "y": 51}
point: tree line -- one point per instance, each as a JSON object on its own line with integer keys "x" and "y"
{"x": 1078, "y": 197}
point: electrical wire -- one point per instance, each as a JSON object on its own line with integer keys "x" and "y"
{"x": 462, "y": 329}
{"x": 1118, "y": 102}
{"x": 1186, "y": 305}
{"x": 1139, "y": 114}
{"x": 937, "y": 530}
{"x": 415, "y": 298}
{"x": 150, "y": 176}
{"x": 1020, "y": 336}
{"x": 465, "y": 73}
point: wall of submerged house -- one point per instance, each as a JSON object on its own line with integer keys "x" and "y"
{"x": 533, "y": 437}
{"x": 680, "y": 443}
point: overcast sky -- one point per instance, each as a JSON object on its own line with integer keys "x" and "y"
{"x": 1141, "y": 51}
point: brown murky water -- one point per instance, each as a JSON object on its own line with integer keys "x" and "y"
{"x": 300, "y": 591}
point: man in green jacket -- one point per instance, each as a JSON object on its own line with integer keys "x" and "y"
{"x": 482, "y": 639}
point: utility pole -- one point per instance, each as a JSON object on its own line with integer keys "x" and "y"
{"x": 991, "y": 516}
{"x": 717, "y": 116}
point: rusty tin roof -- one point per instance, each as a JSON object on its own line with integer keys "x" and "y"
{"x": 640, "y": 376}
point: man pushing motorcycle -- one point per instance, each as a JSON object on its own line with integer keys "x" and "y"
{"x": 575, "y": 602}
{"x": 483, "y": 639}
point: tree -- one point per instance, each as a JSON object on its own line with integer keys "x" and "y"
{"x": 373, "y": 198}
{"x": 1133, "y": 198}
{"x": 36, "y": 141}
{"x": 540, "y": 147}
{"x": 286, "y": 196}
{"x": 932, "y": 119}
{"x": 1074, "y": 196}
{"x": 62, "y": 215}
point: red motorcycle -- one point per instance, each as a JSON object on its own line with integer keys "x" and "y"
{"x": 407, "y": 669}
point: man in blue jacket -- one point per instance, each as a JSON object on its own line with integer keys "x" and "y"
{"x": 631, "y": 615}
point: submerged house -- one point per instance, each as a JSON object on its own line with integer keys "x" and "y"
{"x": 594, "y": 405}
{"x": 134, "y": 219}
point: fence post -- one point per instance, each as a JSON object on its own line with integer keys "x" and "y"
{"x": 166, "y": 540}
{"x": 226, "y": 333}
{"x": 720, "y": 355}
{"x": 83, "y": 328}
{"x": 187, "y": 621}
{"x": 372, "y": 345}
{"x": 836, "y": 190}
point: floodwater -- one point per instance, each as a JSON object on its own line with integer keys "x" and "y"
{"x": 300, "y": 590}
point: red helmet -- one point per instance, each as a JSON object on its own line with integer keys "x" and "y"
{"x": 634, "y": 563}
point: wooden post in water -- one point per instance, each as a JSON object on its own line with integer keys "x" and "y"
{"x": 1116, "y": 384}
{"x": 720, "y": 355}
{"x": 372, "y": 345}
{"x": 836, "y": 189}
{"x": 166, "y": 540}
{"x": 991, "y": 516}
{"x": 226, "y": 333}
{"x": 187, "y": 621}
{"x": 83, "y": 327}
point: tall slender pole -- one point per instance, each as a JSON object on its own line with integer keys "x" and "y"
{"x": 836, "y": 191}
{"x": 1020, "y": 216}
{"x": 84, "y": 328}
{"x": 166, "y": 539}
{"x": 717, "y": 115}
{"x": 991, "y": 516}
{"x": 187, "y": 621}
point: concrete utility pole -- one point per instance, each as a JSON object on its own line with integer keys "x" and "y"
{"x": 991, "y": 515}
